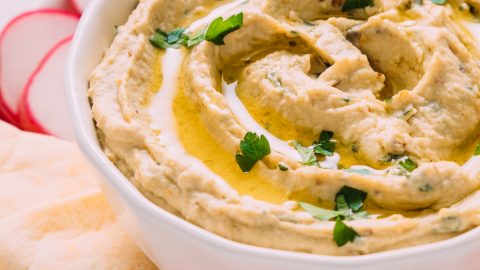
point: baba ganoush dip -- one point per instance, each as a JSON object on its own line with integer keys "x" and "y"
{"x": 338, "y": 127}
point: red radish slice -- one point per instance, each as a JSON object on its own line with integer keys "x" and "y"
{"x": 43, "y": 107}
{"x": 59, "y": 4}
{"x": 23, "y": 43}
{"x": 80, "y": 5}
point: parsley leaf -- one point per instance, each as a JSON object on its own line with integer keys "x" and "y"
{"x": 319, "y": 213}
{"x": 214, "y": 33}
{"x": 356, "y": 4}
{"x": 196, "y": 38}
{"x": 307, "y": 154}
{"x": 325, "y": 148}
{"x": 348, "y": 206}
{"x": 176, "y": 36}
{"x": 253, "y": 149}
{"x": 342, "y": 234}
{"x": 477, "y": 151}
{"x": 325, "y": 145}
{"x": 439, "y": 2}
{"x": 169, "y": 40}
{"x": 220, "y": 28}
{"x": 353, "y": 197}
{"x": 408, "y": 164}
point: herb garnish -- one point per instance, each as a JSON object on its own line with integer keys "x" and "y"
{"x": 353, "y": 198}
{"x": 325, "y": 146}
{"x": 408, "y": 164}
{"x": 307, "y": 154}
{"x": 356, "y": 4}
{"x": 348, "y": 206}
{"x": 220, "y": 28}
{"x": 439, "y": 2}
{"x": 342, "y": 234}
{"x": 173, "y": 39}
{"x": 253, "y": 149}
{"x": 215, "y": 33}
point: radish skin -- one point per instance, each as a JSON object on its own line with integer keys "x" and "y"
{"x": 54, "y": 122}
{"x": 20, "y": 56}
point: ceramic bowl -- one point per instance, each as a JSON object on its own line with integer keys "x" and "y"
{"x": 173, "y": 243}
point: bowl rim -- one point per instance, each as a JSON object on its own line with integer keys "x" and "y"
{"x": 90, "y": 148}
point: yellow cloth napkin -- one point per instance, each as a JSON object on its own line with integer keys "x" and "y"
{"x": 52, "y": 213}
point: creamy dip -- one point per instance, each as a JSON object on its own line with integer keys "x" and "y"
{"x": 395, "y": 82}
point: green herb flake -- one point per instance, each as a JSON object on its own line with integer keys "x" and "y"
{"x": 348, "y": 206}
{"x": 408, "y": 164}
{"x": 477, "y": 151}
{"x": 319, "y": 213}
{"x": 176, "y": 36}
{"x": 439, "y": 2}
{"x": 306, "y": 153}
{"x": 356, "y": 4}
{"x": 388, "y": 100}
{"x": 220, "y": 28}
{"x": 325, "y": 145}
{"x": 214, "y": 33}
{"x": 253, "y": 148}
{"x": 159, "y": 40}
{"x": 353, "y": 197}
{"x": 342, "y": 234}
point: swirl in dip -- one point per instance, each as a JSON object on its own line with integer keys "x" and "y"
{"x": 329, "y": 127}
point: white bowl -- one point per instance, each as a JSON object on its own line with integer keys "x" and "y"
{"x": 173, "y": 243}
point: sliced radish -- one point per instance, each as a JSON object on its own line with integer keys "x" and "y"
{"x": 59, "y": 4}
{"x": 23, "y": 43}
{"x": 43, "y": 107}
{"x": 80, "y": 5}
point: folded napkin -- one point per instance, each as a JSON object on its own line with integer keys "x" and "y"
{"x": 52, "y": 213}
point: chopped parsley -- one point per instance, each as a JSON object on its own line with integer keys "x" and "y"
{"x": 348, "y": 206}
{"x": 320, "y": 213}
{"x": 220, "y": 28}
{"x": 253, "y": 148}
{"x": 307, "y": 154}
{"x": 173, "y": 39}
{"x": 408, "y": 164}
{"x": 477, "y": 151}
{"x": 356, "y": 4}
{"x": 353, "y": 198}
{"x": 325, "y": 146}
{"x": 342, "y": 234}
{"x": 215, "y": 33}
